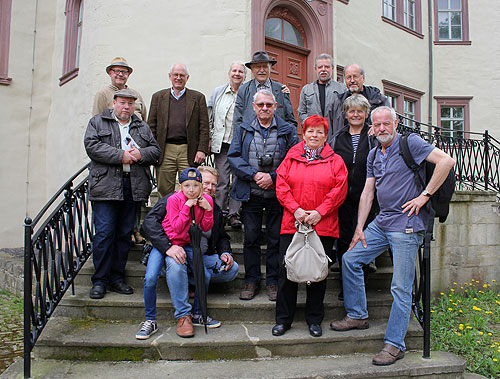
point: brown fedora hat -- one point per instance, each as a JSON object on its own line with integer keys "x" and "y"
{"x": 119, "y": 61}
{"x": 260, "y": 57}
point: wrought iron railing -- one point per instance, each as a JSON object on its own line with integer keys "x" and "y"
{"x": 58, "y": 240}
{"x": 57, "y": 244}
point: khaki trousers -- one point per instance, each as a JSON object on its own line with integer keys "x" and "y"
{"x": 174, "y": 161}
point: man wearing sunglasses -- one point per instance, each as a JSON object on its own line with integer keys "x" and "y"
{"x": 258, "y": 147}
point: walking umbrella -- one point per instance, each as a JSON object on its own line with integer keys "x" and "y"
{"x": 198, "y": 268}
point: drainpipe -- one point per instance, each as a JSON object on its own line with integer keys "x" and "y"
{"x": 431, "y": 58}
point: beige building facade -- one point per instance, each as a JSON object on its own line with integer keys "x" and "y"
{"x": 53, "y": 55}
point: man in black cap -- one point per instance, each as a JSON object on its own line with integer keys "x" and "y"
{"x": 121, "y": 148}
{"x": 260, "y": 65}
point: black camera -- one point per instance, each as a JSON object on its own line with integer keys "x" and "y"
{"x": 146, "y": 250}
{"x": 266, "y": 160}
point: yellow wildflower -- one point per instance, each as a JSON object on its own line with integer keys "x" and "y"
{"x": 442, "y": 293}
{"x": 450, "y": 309}
{"x": 495, "y": 360}
{"x": 481, "y": 333}
{"x": 485, "y": 286}
{"x": 490, "y": 334}
{"x": 452, "y": 290}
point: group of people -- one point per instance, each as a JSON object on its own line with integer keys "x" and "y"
{"x": 349, "y": 155}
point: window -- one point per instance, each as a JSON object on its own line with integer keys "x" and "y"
{"x": 404, "y": 14}
{"x": 405, "y": 100}
{"x": 5, "y": 15}
{"x": 74, "y": 13}
{"x": 453, "y": 115}
{"x": 340, "y": 74}
{"x": 283, "y": 30}
{"x": 451, "y": 21}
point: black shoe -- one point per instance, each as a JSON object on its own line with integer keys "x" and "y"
{"x": 97, "y": 291}
{"x": 280, "y": 329}
{"x": 315, "y": 330}
{"x": 121, "y": 287}
{"x": 341, "y": 295}
{"x": 234, "y": 222}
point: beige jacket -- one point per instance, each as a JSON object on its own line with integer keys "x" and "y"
{"x": 104, "y": 100}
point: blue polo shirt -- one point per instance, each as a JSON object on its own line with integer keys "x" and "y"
{"x": 395, "y": 185}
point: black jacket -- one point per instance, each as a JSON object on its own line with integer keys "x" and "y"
{"x": 357, "y": 169}
{"x": 153, "y": 230}
{"x": 336, "y": 116}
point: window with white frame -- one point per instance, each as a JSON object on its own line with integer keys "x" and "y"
{"x": 405, "y": 100}
{"x": 404, "y": 14}
{"x": 453, "y": 115}
{"x": 390, "y": 9}
{"x": 452, "y": 22}
{"x": 409, "y": 14}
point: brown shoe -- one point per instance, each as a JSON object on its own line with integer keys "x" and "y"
{"x": 249, "y": 291}
{"x": 348, "y": 323}
{"x": 272, "y": 292}
{"x": 185, "y": 327}
{"x": 388, "y": 355}
{"x": 234, "y": 222}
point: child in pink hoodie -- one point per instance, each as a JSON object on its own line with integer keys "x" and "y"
{"x": 178, "y": 219}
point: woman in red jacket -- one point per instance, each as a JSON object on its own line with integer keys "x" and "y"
{"x": 311, "y": 185}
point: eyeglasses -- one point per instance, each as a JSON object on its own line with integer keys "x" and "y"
{"x": 118, "y": 72}
{"x": 261, "y": 105}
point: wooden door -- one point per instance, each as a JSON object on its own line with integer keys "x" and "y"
{"x": 291, "y": 70}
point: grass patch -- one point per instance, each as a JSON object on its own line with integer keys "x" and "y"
{"x": 465, "y": 321}
{"x": 11, "y": 328}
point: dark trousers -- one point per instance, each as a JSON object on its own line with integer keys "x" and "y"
{"x": 114, "y": 223}
{"x": 286, "y": 301}
{"x": 252, "y": 213}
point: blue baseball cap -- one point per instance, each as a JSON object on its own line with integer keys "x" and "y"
{"x": 190, "y": 174}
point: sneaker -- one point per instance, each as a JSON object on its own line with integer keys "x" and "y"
{"x": 211, "y": 323}
{"x": 148, "y": 328}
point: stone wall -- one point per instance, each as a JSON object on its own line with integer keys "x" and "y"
{"x": 467, "y": 245}
{"x": 11, "y": 270}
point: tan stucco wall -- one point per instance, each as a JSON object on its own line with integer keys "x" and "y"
{"x": 473, "y": 70}
{"x": 153, "y": 35}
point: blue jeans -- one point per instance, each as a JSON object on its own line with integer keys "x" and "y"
{"x": 252, "y": 213}
{"x": 114, "y": 224}
{"x": 404, "y": 248}
{"x": 177, "y": 281}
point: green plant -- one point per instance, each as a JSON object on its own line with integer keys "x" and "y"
{"x": 466, "y": 321}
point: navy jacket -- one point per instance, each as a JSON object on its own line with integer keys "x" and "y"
{"x": 238, "y": 158}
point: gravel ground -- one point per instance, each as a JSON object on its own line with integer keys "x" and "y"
{"x": 11, "y": 329}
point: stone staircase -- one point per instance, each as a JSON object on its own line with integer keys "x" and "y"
{"x": 104, "y": 330}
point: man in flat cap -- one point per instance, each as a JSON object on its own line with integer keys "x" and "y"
{"x": 260, "y": 65}
{"x": 119, "y": 72}
{"x": 121, "y": 148}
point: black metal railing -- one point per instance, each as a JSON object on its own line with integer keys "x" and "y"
{"x": 56, "y": 248}
{"x": 57, "y": 245}
{"x": 477, "y": 157}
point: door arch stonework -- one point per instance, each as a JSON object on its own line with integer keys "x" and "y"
{"x": 315, "y": 16}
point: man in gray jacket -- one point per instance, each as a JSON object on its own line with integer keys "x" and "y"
{"x": 260, "y": 65}
{"x": 316, "y": 98}
{"x": 220, "y": 112}
{"x": 121, "y": 148}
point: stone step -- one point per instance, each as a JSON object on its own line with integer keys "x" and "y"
{"x": 136, "y": 253}
{"x": 223, "y": 306}
{"x": 135, "y": 277}
{"x": 112, "y": 340}
{"x": 441, "y": 365}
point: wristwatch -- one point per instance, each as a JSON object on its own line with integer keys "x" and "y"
{"x": 426, "y": 193}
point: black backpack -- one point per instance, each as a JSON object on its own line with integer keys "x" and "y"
{"x": 440, "y": 201}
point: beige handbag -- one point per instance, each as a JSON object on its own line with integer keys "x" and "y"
{"x": 305, "y": 258}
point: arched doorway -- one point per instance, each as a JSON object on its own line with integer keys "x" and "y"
{"x": 286, "y": 42}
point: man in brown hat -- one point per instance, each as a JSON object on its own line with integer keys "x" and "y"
{"x": 118, "y": 71}
{"x": 260, "y": 65}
